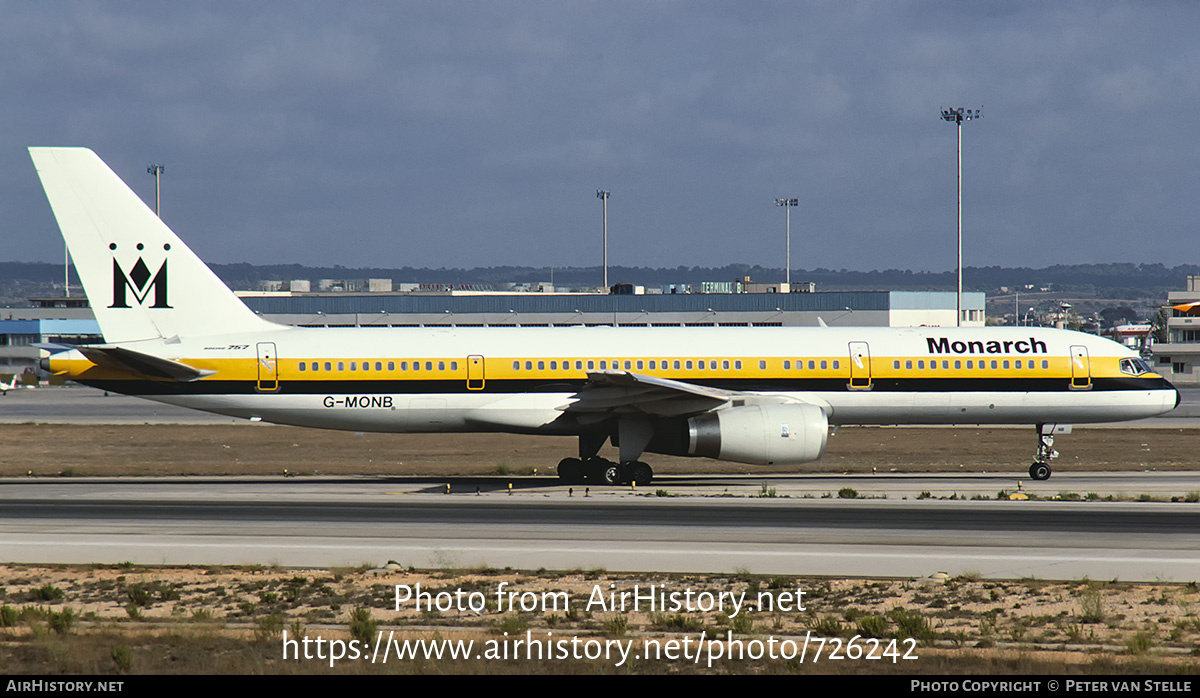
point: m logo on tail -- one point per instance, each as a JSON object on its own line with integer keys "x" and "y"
{"x": 139, "y": 282}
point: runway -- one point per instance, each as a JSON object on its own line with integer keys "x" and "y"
{"x": 912, "y": 525}
{"x": 76, "y": 404}
{"x": 371, "y": 521}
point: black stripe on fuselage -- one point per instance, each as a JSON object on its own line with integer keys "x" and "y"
{"x": 420, "y": 387}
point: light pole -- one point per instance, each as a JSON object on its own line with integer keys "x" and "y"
{"x": 957, "y": 117}
{"x": 787, "y": 205}
{"x": 603, "y": 196}
{"x": 157, "y": 171}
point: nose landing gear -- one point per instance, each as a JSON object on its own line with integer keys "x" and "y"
{"x": 1040, "y": 470}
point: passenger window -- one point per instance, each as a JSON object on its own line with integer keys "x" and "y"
{"x": 907, "y": 364}
{"x": 836, "y": 365}
{"x": 302, "y": 365}
{"x": 553, "y": 365}
{"x": 652, "y": 365}
{"x": 516, "y": 365}
{"x": 628, "y": 364}
{"x": 579, "y": 365}
{"x": 921, "y": 364}
{"x": 591, "y": 365}
{"x": 762, "y": 365}
{"x": 528, "y": 365}
{"x": 328, "y": 366}
{"x": 993, "y": 363}
{"x": 315, "y": 366}
{"x": 737, "y": 365}
{"x": 688, "y": 364}
{"x": 1006, "y": 364}
{"x": 895, "y": 364}
{"x": 428, "y": 365}
{"x": 725, "y": 365}
{"x": 416, "y": 365}
{"x": 970, "y": 364}
{"x": 825, "y": 364}
{"x": 603, "y": 365}
{"x": 811, "y": 364}
{"x": 677, "y": 364}
{"x": 945, "y": 364}
{"x": 391, "y": 365}
{"x": 639, "y": 365}
{"x": 957, "y": 363}
{"x": 379, "y": 366}
{"x": 700, "y": 365}
{"x": 441, "y": 365}
{"x": 353, "y": 365}
{"x": 341, "y": 366}
{"x": 1045, "y": 364}
{"x": 713, "y": 364}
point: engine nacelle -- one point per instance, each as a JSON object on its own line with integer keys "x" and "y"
{"x": 764, "y": 434}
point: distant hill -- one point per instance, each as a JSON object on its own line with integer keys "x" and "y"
{"x": 21, "y": 280}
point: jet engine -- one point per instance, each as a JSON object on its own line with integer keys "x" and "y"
{"x": 762, "y": 434}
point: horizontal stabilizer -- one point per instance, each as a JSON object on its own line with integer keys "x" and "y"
{"x": 135, "y": 361}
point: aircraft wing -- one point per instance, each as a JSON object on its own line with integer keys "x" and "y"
{"x": 625, "y": 392}
{"x": 145, "y": 364}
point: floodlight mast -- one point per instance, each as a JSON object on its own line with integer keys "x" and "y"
{"x": 157, "y": 171}
{"x": 957, "y": 117}
{"x": 603, "y": 196}
{"x": 787, "y": 205}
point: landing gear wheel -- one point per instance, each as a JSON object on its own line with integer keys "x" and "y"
{"x": 570, "y": 471}
{"x": 613, "y": 474}
{"x": 642, "y": 474}
{"x": 592, "y": 470}
{"x": 1039, "y": 471}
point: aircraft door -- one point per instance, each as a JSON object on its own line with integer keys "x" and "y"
{"x": 860, "y": 366}
{"x": 1081, "y": 369}
{"x": 268, "y": 367}
{"x": 474, "y": 372}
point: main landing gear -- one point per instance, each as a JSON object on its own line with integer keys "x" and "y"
{"x": 576, "y": 471}
{"x": 633, "y": 434}
{"x": 1040, "y": 470}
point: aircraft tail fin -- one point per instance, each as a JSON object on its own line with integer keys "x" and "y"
{"x": 141, "y": 280}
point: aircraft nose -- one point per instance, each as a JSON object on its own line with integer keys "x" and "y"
{"x": 1178, "y": 397}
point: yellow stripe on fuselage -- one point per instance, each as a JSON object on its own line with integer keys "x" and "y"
{"x": 577, "y": 368}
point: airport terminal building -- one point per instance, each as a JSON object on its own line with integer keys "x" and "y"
{"x": 467, "y": 309}
{"x": 1178, "y": 359}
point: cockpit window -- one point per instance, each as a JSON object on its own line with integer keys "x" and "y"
{"x": 1134, "y": 367}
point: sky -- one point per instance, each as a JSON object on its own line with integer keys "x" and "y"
{"x": 464, "y": 134}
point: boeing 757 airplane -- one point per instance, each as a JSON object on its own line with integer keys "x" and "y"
{"x": 173, "y": 332}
